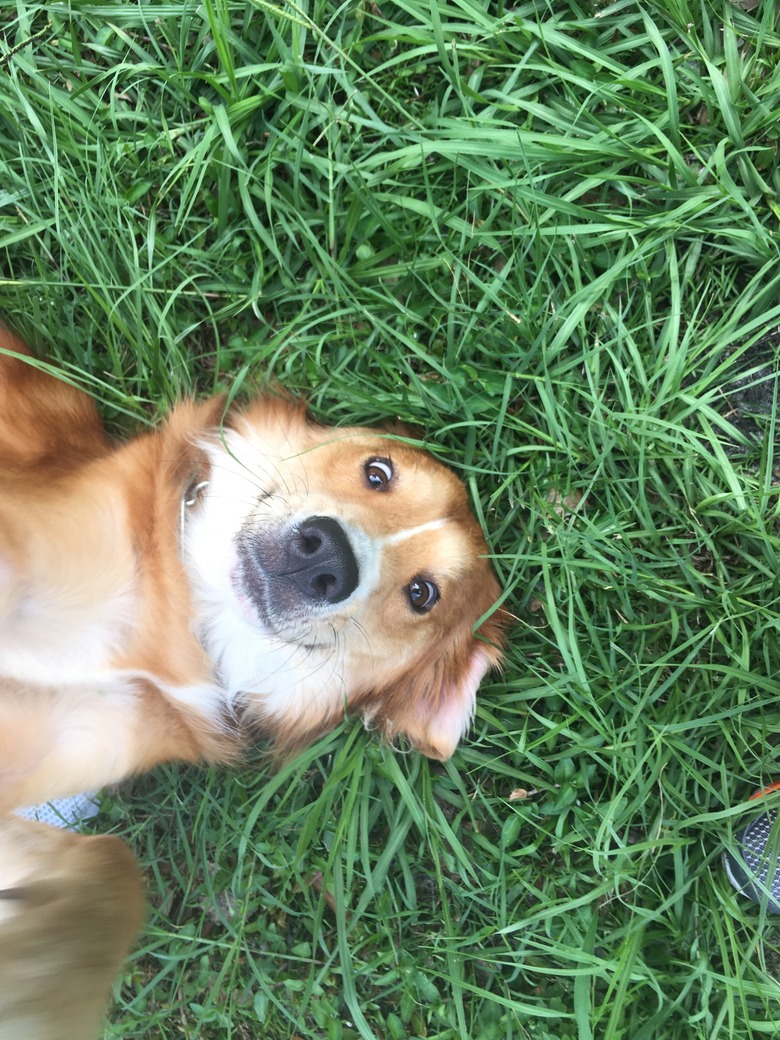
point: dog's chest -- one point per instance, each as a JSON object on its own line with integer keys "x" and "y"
{"x": 48, "y": 639}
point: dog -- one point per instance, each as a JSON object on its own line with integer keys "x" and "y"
{"x": 237, "y": 571}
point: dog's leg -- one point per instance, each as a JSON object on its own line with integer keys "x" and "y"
{"x": 70, "y": 906}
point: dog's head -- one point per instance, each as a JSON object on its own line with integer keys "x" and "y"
{"x": 340, "y": 570}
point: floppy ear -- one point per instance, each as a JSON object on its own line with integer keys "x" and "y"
{"x": 400, "y": 428}
{"x": 439, "y": 702}
{"x": 43, "y": 419}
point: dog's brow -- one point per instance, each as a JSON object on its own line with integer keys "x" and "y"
{"x": 410, "y": 532}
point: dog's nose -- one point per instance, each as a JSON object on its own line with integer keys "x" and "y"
{"x": 321, "y": 562}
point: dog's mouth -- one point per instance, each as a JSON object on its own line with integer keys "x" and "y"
{"x": 301, "y": 572}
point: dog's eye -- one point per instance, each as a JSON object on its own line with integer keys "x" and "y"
{"x": 423, "y": 594}
{"x": 379, "y": 473}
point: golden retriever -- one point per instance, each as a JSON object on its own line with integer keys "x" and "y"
{"x": 236, "y": 571}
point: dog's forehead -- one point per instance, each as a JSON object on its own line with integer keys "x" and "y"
{"x": 443, "y": 543}
{"x": 405, "y": 533}
{"x": 423, "y": 512}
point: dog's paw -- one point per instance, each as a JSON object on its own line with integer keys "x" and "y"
{"x": 69, "y": 908}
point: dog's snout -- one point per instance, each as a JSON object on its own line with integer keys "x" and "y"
{"x": 322, "y": 564}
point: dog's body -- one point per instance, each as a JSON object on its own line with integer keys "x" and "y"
{"x": 230, "y": 572}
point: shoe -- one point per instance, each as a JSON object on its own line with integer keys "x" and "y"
{"x": 753, "y": 866}
{"x": 64, "y": 812}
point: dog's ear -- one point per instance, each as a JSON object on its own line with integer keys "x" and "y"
{"x": 433, "y": 705}
{"x": 401, "y": 428}
{"x": 42, "y": 419}
{"x": 438, "y": 723}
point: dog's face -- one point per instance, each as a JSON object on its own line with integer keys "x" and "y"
{"x": 340, "y": 570}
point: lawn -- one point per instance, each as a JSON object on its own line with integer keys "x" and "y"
{"x": 547, "y": 234}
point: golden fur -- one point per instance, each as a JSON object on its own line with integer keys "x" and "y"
{"x": 230, "y": 572}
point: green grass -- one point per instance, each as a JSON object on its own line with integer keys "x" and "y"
{"x": 548, "y": 234}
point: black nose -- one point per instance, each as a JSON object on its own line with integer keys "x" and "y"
{"x": 320, "y": 560}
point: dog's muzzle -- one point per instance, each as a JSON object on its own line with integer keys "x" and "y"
{"x": 310, "y": 563}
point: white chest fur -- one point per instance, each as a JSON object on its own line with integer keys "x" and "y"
{"x": 54, "y": 637}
